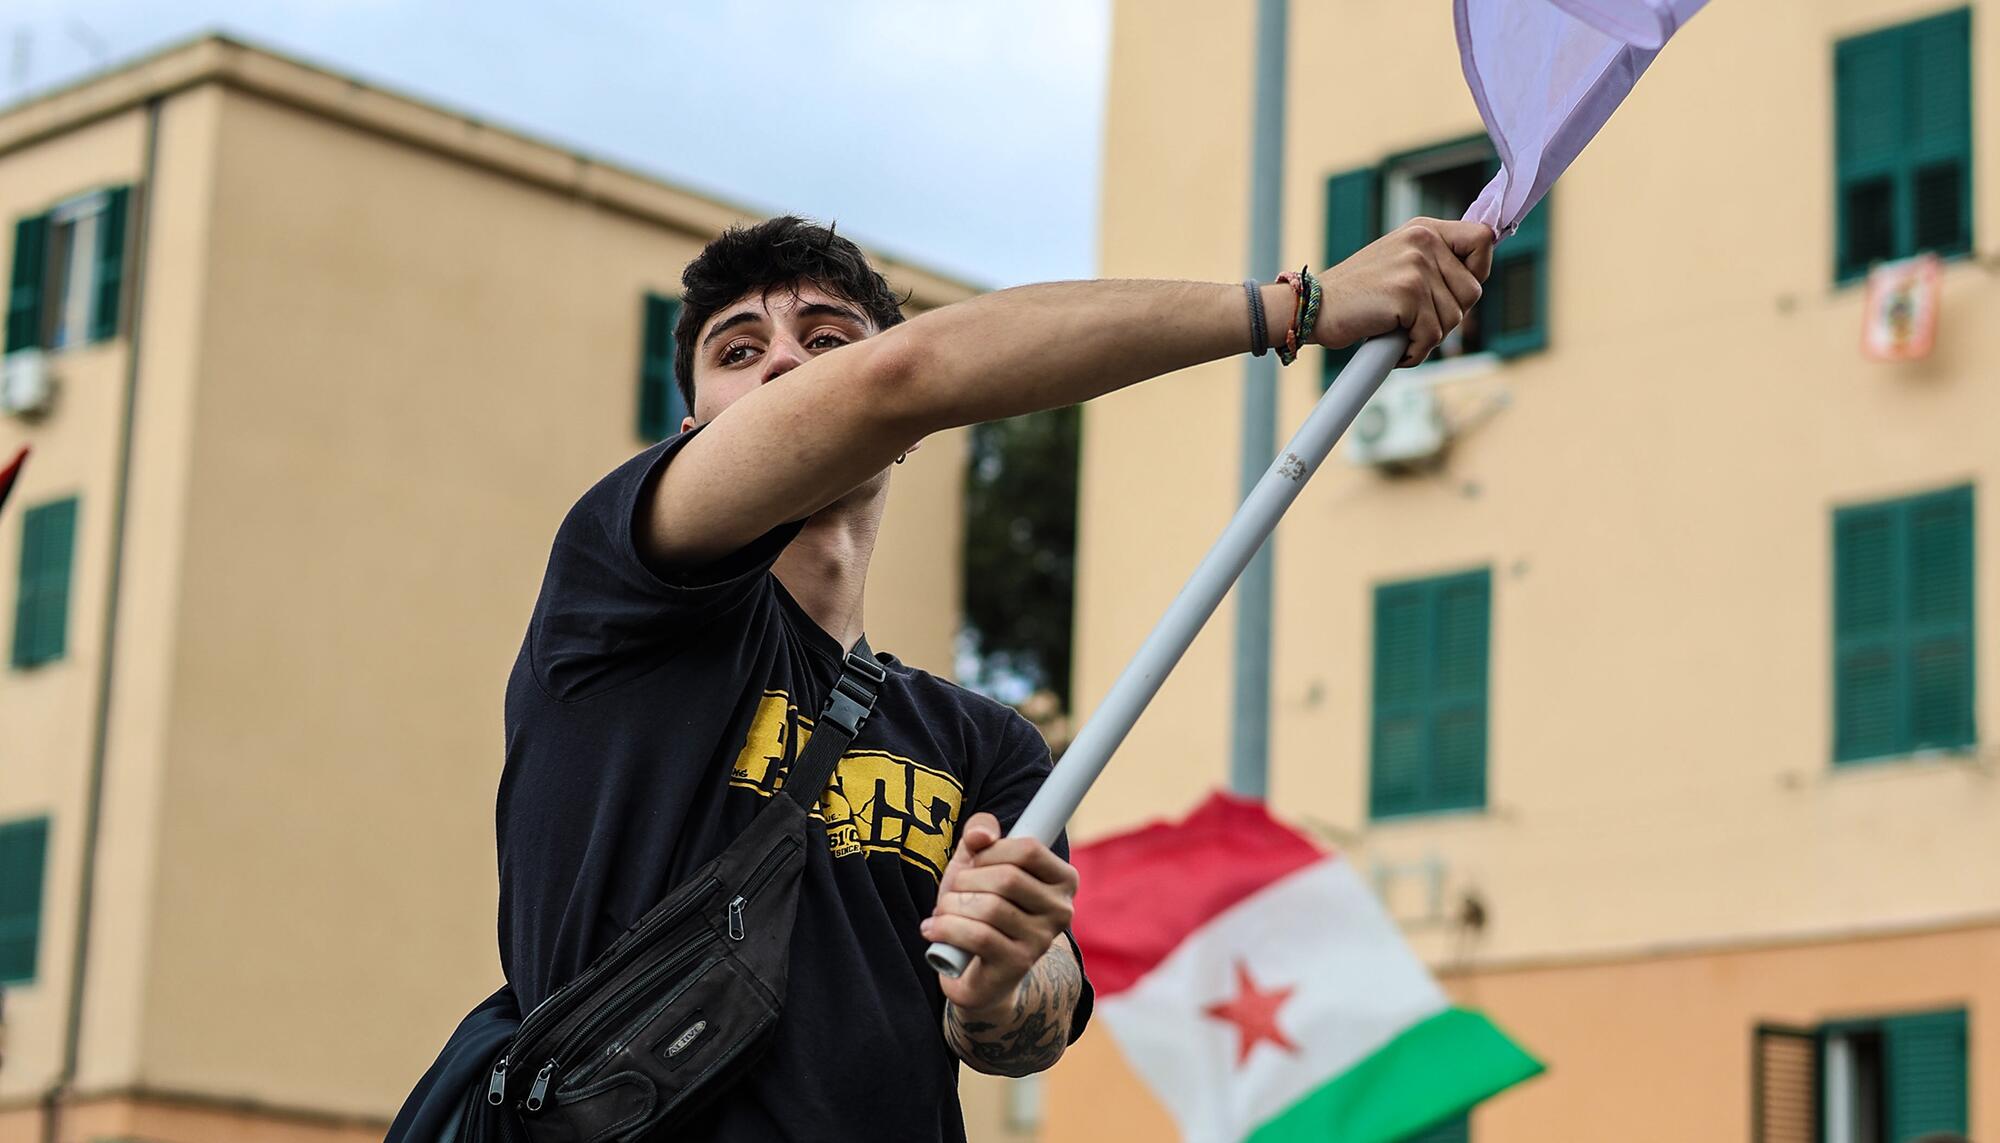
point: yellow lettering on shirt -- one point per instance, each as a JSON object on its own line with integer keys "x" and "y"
{"x": 877, "y": 802}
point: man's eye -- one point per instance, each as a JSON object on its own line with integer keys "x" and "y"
{"x": 737, "y": 353}
{"x": 827, "y": 341}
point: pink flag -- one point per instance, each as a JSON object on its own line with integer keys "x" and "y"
{"x": 1546, "y": 74}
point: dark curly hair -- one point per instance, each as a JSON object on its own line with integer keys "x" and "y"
{"x": 778, "y": 253}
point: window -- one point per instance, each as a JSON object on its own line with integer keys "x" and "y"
{"x": 1441, "y": 182}
{"x": 1903, "y": 142}
{"x": 1884, "y": 1080}
{"x": 661, "y": 408}
{"x": 1428, "y": 749}
{"x": 41, "y": 603}
{"x": 1457, "y": 1130}
{"x": 69, "y": 273}
{"x": 1902, "y": 626}
{"x": 23, "y": 853}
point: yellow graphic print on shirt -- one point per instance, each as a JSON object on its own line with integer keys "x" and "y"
{"x": 878, "y": 802}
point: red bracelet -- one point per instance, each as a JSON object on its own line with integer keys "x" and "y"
{"x": 1289, "y": 352}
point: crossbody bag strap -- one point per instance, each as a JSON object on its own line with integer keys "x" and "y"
{"x": 848, "y": 705}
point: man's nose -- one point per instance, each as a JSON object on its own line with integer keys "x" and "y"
{"x": 783, "y": 356}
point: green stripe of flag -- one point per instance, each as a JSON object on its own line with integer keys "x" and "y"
{"x": 1431, "y": 1071}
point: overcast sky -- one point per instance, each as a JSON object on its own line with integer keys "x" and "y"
{"x": 963, "y": 135}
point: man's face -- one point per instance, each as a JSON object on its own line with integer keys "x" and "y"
{"x": 763, "y": 335}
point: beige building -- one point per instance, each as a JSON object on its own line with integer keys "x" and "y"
{"x": 1641, "y": 666}
{"x": 311, "y": 372}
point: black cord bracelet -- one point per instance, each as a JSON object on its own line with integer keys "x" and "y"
{"x": 1259, "y": 343}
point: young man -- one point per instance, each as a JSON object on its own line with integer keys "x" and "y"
{"x": 696, "y": 607}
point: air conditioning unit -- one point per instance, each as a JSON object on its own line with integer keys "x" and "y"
{"x": 1400, "y": 426}
{"x": 26, "y": 389}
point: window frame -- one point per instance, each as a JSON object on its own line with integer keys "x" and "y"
{"x": 1908, "y": 632}
{"x": 72, "y": 295}
{"x": 1887, "y": 1027}
{"x": 1530, "y": 243}
{"x": 1434, "y": 703}
{"x": 37, "y": 824}
{"x": 32, "y": 648}
{"x": 1913, "y": 152}
{"x": 657, "y": 383}
{"x": 70, "y": 270}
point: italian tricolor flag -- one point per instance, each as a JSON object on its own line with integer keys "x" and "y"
{"x": 1257, "y": 986}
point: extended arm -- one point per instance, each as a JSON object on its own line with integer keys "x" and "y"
{"x": 803, "y": 439}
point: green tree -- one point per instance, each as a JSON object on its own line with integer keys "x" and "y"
{"x": 1020, "y": 553}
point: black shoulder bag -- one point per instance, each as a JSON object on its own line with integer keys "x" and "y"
{"x": 682, "y": 1005}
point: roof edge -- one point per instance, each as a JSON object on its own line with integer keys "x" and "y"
{"x": 215, "y": 57}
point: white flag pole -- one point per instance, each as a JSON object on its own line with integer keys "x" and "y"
{"x": 1084, "y": 760}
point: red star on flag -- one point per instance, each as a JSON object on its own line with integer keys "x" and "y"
{"x": 1255, "y": 1014}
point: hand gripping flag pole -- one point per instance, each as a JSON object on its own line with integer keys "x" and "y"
{"x": 1545, "y": 75}
{"x": 1084, "y": 760}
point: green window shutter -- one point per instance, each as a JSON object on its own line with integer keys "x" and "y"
{"x": 661, "y": 407}
{"x": 1515, "y": 305}
{"x": 1869, "y": 116}
{"x": 1903, "y": 626}
{"x": 1868, "y": 97}
{"x": 1353, "y": 220}
{"x": 1938, "y": 100}
{"x": 1867, "y": 631}
{"x": 41, "y": 607}
{"x": 110, "y": 264}
{"x": 1925, "y": 1062}
{"x": 30, "y": 277}
{"x": 1428, "y": 746}
{"x": 1940, "y": 627}
{"x": 1455, "y": 1130}
{"x": 1458, "y": 704}
{"x": 24, "y": 849}
{"x": 1401, "y": 744}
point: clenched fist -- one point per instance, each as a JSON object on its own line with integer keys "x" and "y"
{"x": 1421, "y": 277}
{"x": 1004, "y": 900}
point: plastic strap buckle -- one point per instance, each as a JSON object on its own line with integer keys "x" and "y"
{"x": 867, "y": 667}
{"x": 853, "y": 697}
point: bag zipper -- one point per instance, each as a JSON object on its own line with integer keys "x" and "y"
{"x": 553, "y": 1009}
{"x": 612, "y": 1008}
{"x": 609, "y": 1012}
{"x": 766, "y": 869}
{"x": 546, "y": 1011}
{"x": 540, "y": 1088}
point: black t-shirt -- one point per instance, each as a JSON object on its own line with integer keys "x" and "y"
{"x": 649, "y": 716}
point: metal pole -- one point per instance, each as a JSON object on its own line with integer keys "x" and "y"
{"x": 1276, "y": 489}
{"x": 1250, "y": 708}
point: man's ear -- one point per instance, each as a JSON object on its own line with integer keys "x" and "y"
{"x": 687, "y": 423}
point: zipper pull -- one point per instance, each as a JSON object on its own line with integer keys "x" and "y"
{"x": 541, "y": 1087}
{"x": 496, "y": 1088}
{"x": 736, "y": 919}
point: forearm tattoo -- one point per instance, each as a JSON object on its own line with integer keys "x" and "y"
{"x": 1036, "y": 1030}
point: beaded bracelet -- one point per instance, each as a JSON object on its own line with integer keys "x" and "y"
{"x": 1305, "y": 311}
{"x": 1309, "y": 317}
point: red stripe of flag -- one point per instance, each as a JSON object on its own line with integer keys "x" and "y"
{"x": 12, "y": 471}
{"x": 1141, "y": 893}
